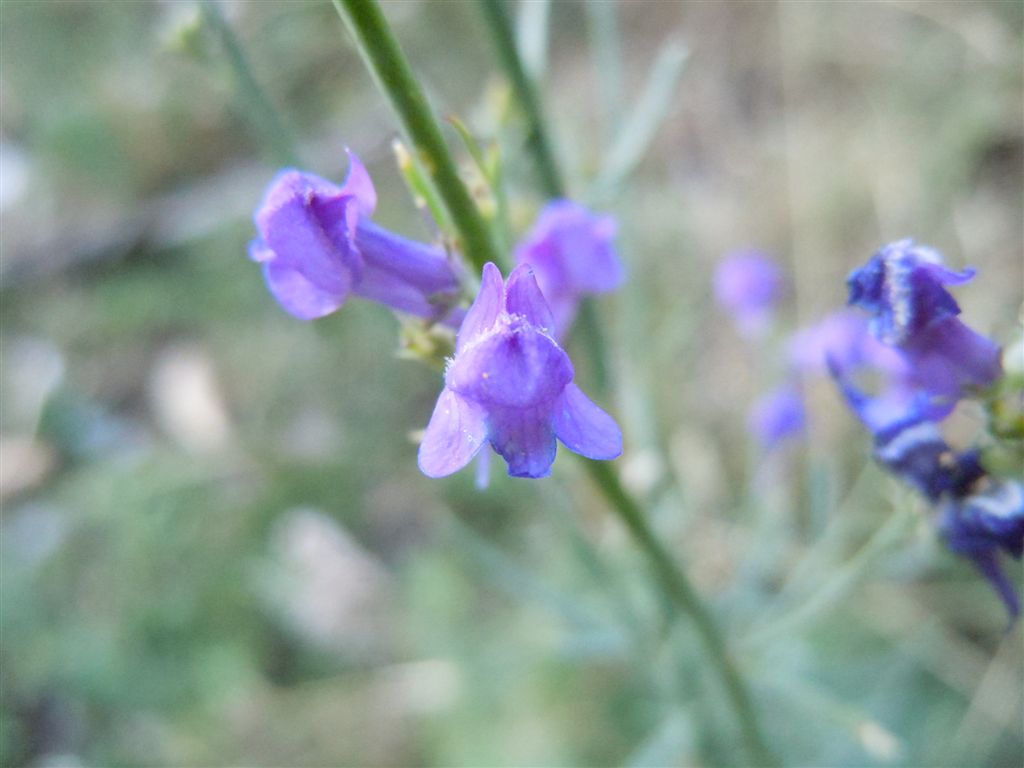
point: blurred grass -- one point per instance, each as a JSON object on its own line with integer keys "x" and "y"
{"x": 515, "y": 627}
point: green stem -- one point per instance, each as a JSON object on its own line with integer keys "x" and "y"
{"x": 505, "y": 42}
{"x": 552, "y": 182}
{"x": 262, "y": 114}
{"x": 387, "y": 63}
{"x": 604, "y": 33}
{"x": 685, "y": 598}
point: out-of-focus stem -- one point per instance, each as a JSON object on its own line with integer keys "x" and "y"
{"x": 552, "y": 182}
{"x": 261, "y": 111}
{"x": 504, "y": 41}
{"x": 684, "y": 597}
{"x": 387, "y": 63}
{"x": 604, "y": 33}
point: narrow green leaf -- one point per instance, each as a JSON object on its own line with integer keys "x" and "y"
{"x": 603, "y": 22}
{"x": 645, "y": 118}
{"x": 671, "y": 743}
{"x": 262, "y": 114}
{"x": 532, "y": 36}
{"x": 495, "y": 206}
{"x": 471, "y": 144}
{"x": 423, "y": 191}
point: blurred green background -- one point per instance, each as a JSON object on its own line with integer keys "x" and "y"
{"x": 216, "y": 546}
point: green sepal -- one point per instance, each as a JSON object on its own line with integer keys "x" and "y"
{"x": 427, "y": 343}
{"x": 424, "y": 194}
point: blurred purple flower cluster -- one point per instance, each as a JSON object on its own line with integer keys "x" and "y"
{"x": 938, "y": 361}
{"x": 902, "y": 360}
{"x": 748, "y": 285}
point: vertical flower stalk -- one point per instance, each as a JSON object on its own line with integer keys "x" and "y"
{"x": 552, "y": 182}
{"x": 389, "y": 67}
{"x": 504, "y": 41}
{"x": 262, "y": 113}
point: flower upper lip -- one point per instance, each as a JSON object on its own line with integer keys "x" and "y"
{"x": 512, "y": 363}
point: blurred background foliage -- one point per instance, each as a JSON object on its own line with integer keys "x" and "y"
{"x": 216, "y": 547}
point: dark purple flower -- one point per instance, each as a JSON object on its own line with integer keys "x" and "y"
{"x": 913, "y": 449}
{"x": 978, "y": 514}
{"x": 778, "y": 415}
{"x": 980, "y": 524}
{"x": 317, "y": 246}
{"x": 511, "y": 385}
{"x": 748, "y": 285}
{"x": 923, "y": 359}
{"x": 572, "y": 253}
{"x": 903, "y": 287}
{"x": 947, "y": 358}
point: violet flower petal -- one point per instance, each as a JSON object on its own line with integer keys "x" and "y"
{"x": 948, "y": 356}
{"x": 510, "y": 368}
{"x": 524, "y": 438}
{"x": 323, "y": 246}
{"x": 518, "y": 367}
{"x": 523, "y": 297}
{"x": 289, "y": 226}
{"x": 298, "y": 295}
{"x": 903, "y": 287}
{"x": 980, "y": 524}
{"x": 585, "y": 428}
{"x": 455, "y": 434}
{"x": 404, "y": 274}
{"x": 987, "y": 562}
{"x": 359, "y": 184}
{"x": 573, "y": 254}
{"x": 484, "y": 312}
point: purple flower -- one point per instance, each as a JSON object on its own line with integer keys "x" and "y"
{"x": 925, "y": 359}
{"x": 978, "y": 525}
{"x": 903, "y": 289}
{"x": 748, "y": 285}
{"x": 914, "y": 450}
{"x": 317, "y": 246}
{"x": 572, "y": 254}
{"x": 511, "y": 385}
{"x": 778, "y": 415}
{"x": 979, "y": 515}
